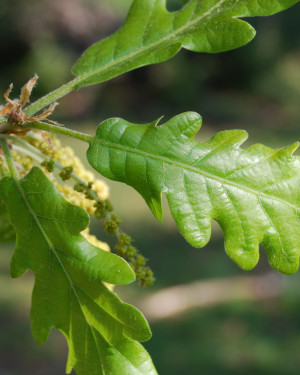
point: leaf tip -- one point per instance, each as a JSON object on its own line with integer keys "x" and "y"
{"x": 18, "y": 265}
{"x": 156, "y": 208}
{"x": 287, "y": 265}
{"x": 156, "y": 122}
{"x": 188, "y": 123}
{"x": 289, "y": 150}
{"x": 244, "y": 258}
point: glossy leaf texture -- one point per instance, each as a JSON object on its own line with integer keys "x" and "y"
{"x": 69, "y": 294}
{"x": 151, "y": 34}
{"x": 253, "y": 194}
{"x": 7, "y": 232}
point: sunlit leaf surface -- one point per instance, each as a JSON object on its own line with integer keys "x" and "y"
{"x": 253, "y": 194}
{"x": 151, "y": 34}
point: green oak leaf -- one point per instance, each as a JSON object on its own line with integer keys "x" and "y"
{"x": 69, "y": 294}
{"x": 151, "y": 34}
{"x": 7, "y": 232}
{"x": 253, "y": 194}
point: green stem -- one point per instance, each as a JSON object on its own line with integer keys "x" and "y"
{"x": 9, "y": 159}
{"x": 59, "y": 130}
{"x": 51, "y": 97}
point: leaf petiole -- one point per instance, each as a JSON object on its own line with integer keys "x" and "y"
{"x": 59, "y": 130}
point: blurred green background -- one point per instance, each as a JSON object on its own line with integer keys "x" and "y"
{"x": 255, "y": 88}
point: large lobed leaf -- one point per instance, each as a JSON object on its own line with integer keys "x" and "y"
{"x": 151, "y": 34}
{"x": 253, "y": 194}
{"x": 69, "y": 294}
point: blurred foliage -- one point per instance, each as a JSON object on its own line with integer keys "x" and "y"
{"x": 239, "y": 338}
{"x": 255, "y": 88}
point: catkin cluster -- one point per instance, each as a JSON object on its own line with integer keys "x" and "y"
{"x": 81, "y": 188}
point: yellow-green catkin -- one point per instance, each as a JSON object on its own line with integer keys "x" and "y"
{"x": 66, "y": 157}
{"x": 25, "y": 163}
{"x": 82, "y": 194}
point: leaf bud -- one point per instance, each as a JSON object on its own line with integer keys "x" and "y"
{"x": 145, "y": 276}
{"x": 65, "y": 174}
{"x": 110, "y": 226}
{"x": 125, "y": 239}
{"x": 89, "y": 194}
{"x": 48, "y": 164}
{"x": 140, "y": 260}
{"x": 121, "y": 249}
{"x": 130, "y": 252}
{"x": 149, "y": 279}
{"x": 116, "y": 219}
{"x": 108, "y": 205}
{"x": 79, "y": 187}
{"x": 99, "y": 213}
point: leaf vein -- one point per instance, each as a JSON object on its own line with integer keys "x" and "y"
{"x": 189, "y": 168}
{"x": 156, "y": 44}
{"x": 253, "y": 164}
{"x": 274, "y": 226}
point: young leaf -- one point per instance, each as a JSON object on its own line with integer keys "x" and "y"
{"x": 151, "y": 34}
{"x": 69, "y": 294}
{"x": 253, "y": 194}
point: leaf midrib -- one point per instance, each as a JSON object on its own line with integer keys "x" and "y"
{"x": 86, "y": 293}
{"x": 150, "y": 46}
{"x": 52, "y": 248}
{"x": 192, "y": 169}
{"x": 72, "y": 284}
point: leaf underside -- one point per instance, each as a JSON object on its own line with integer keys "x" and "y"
{"x": 151, "y": 34}
{"x": 253, "y": 194}
{"x": 69, "y": 294}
